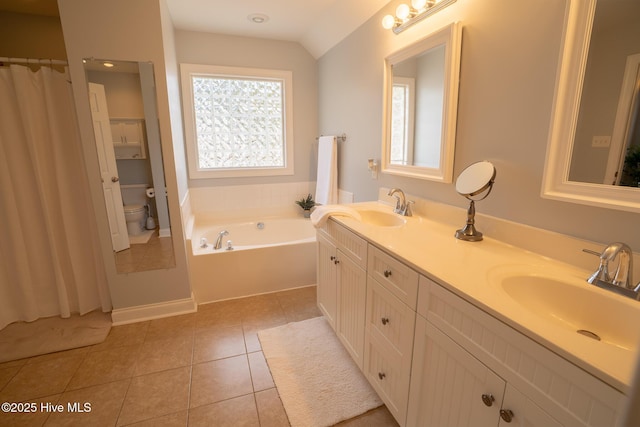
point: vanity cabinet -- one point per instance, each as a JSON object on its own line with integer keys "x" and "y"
{"x": 435, "y": 359}
{"x": 469, "y": 368}
{"x": 392, "y": 289}
{"x": 342, "y": 284}
{"x": 128, "y": 138}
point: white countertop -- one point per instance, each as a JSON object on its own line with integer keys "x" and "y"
{"x": 468, "y": 269}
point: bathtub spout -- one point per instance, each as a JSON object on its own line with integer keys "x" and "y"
{"x": 218, "y": 244}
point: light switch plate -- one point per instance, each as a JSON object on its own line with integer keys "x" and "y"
{"x": 601, "y": 141}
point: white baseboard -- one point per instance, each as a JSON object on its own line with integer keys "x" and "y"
{"x": 164, "y": 232}
{"x": 141, "y": 313}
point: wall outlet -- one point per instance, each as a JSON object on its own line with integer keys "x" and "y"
{"x": 601, "y": 141}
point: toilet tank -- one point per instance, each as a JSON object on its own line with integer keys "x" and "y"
{"x": 134, "y": 194}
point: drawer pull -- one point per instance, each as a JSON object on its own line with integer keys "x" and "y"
{"x": 384, "y": 320}
{"x": 387, "y": 273}
{"x": 488, "y": 399}
{"x": 381, "y": 375}
{"x": 506, "y": 415}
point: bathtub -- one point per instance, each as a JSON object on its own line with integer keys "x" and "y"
{"x": 268, "y": 255}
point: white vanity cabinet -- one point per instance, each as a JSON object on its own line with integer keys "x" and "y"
{"x": 128, "y": 138}
{"x": 469, "y": 368}
{"x": 342, "y": 282}
{"x": 392, "y": 291}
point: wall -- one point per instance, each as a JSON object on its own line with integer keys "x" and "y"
{"x": 128, "y": 31}
{"x": 31, "y": 36}
{"x": 510, "y": 53}
{"x": 215, "y": 49}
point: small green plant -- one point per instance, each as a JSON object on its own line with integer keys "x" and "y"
{"x": 306, "y": 203}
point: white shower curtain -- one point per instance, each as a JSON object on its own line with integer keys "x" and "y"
{"x": 50, "y": 262}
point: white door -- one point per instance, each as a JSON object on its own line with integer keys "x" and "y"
{"x": 108, "y": 169}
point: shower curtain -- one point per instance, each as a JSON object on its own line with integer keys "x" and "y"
{"x": 50, "y": 262}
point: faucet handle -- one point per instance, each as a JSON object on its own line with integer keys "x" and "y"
{"x": 407, "y": 210}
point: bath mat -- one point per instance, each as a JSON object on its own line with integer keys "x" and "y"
{"x": 141, "y": 238}
{"x": 50, "y": 334}
{"x": 318, "y": 382}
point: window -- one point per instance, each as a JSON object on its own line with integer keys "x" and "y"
{"x": 402, "y": 123}
{"x": 238, "y": 121}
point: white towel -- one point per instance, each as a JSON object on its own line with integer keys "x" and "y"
{"x": 321, "y": 214}
{"x": 327, "y": 180}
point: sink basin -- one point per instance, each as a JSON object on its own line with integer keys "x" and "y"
{"x": 576, "y": 306}
{"x": 381, "y": 219}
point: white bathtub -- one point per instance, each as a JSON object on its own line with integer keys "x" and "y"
{"x": 268, "y": 255}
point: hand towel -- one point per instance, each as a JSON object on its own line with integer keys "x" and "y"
{"x": 327, "y": 179}
{"x": 321, "y": 214}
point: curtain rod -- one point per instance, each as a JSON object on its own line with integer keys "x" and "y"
{"x": 33, "y": 61}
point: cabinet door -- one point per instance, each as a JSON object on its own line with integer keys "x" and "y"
{"x": 326, "y": 280}
{"x": 522, "y": 412}
{"x": 448, "y": 385}
{"x": 352, "y": 294}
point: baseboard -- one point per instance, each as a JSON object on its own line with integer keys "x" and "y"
{"x": 141, "y": 313}
{"x": 164, "y": 232}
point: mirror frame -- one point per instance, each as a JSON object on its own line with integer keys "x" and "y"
{"x": 566, "y": 105}
{"x": 451, "y": 37}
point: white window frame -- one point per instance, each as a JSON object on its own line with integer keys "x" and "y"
{"x": 188, "y": 71}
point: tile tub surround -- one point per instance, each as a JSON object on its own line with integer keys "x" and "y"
{"x": 178, "y": 371}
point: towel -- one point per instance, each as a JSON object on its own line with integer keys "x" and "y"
{"x": 327, "y": 180}
{"x": 321, "y": 214}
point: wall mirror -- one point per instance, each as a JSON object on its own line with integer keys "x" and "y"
{"x": 593, "y": 154}
{"x": 420, "y": 106}
{"x": 122, "y": 98}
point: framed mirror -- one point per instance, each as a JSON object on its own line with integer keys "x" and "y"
{"x": 593, "y": 152}
{"x": 420, "y": 106}
{"x": 122, "y": 98}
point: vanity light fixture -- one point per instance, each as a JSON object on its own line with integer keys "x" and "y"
{"x": 407, "y": 15}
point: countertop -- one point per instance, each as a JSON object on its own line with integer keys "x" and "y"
{"x": 469, "y": 269}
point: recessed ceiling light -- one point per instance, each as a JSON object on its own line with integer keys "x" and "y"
{"x": 258, "y": 18}
{"x": 108, "y": 64}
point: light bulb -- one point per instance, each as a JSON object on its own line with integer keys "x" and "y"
{"x": 403, "y": 11}
{"x": 418, "y": 4}
{"x": 388, "y": 22}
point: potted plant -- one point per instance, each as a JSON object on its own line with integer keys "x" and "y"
{"x": 306, "y": 203}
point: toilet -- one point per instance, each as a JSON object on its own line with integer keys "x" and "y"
{"x": 134, "y": 215}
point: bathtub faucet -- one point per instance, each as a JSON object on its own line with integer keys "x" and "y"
{"x": 221, "y": 234}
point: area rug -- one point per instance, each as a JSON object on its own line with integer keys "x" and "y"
{"x": 141, "y": 238}
{"x": 318, "y": 382}
{"x": 48, "y": 335}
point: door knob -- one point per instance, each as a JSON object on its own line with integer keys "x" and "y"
{"x": 115, "y": 179}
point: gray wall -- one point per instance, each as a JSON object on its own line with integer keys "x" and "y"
{"x": 215, "y": 49}
{"x": 510, "y": 53}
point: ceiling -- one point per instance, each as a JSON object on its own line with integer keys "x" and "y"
{"x": 316, "y": 24}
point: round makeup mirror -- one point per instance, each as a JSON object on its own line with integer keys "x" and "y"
{"x": 474, "y": 183}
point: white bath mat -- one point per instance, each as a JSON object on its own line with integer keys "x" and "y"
{"x": 318, "y": 382}
{"x": 141, "y": 238}
{"x": 50, "y": 334}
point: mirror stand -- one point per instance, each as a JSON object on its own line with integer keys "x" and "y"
{"x": 475, "y": 180}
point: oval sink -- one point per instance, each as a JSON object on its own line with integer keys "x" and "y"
{"x": 381, "y": 219}
{"x": 577, "y": 307}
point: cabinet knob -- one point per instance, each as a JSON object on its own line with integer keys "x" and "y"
{"x": 332, "y": 258}
{"x": 384, "y": 320}
{"x": 488, "y": 399}
{"x": 115, "y": 179}
{"x": 506, "y": 415}
{"x": 387, "y": 273}
{"x": 381, "y": 375}
{"x": 336, "y": 261}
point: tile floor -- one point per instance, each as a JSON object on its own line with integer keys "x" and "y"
{"x": 157, "y": 253}
{"x": 200, "y": 369}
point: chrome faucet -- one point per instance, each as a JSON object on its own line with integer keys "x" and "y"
{"x": 620, "y": 281}
{"x": 403, "y": 207}
{"x": 221, "y": 234}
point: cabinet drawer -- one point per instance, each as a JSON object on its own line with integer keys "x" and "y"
{"x": 574, "y": 397}
{"x": 390, "y": 318}
{"x": 399, "y": 279}
{"x": 349, "y": 243}
{"x": 383, "y": 369}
